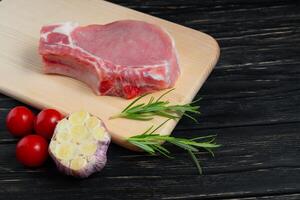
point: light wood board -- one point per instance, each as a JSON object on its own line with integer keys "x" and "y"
{"x": 21, "y": 74}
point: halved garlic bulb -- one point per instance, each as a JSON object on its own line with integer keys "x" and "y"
{"x": 79, "y": 144}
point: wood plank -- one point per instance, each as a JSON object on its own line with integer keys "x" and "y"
{"x": 151, "y": 187}
{"x": 273, "y": 197}
{"x": 21, "y": 69}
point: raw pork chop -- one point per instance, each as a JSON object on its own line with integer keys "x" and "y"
{"x": 124, "y": 58}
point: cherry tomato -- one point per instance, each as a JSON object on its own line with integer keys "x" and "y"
{"x": 19, "y": 121}
{"x": 32, "y": 150}
{"x": 46, "y": 121}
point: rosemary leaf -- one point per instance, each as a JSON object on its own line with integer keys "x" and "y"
{"x": 194, "y": 158}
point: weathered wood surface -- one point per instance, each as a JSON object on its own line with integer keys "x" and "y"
{"x": 251, "y": 100}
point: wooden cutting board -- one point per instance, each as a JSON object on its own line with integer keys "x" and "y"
{"x": 21, "y": 74}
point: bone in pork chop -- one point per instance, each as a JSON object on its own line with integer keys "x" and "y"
{"x": 125, "y": 58}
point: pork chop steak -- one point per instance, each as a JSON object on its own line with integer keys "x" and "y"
{"x": 125, "y": 58}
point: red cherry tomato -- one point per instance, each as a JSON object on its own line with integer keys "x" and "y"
{"x": 46, "y": 121}
{"x": 32, "y": 150}
{"x": 19, "y": 121}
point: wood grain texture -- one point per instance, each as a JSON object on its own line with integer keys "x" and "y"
{"x": 254, "y": 161}
{"x": 21, "y": 73}
{"x": 251, "y": 100}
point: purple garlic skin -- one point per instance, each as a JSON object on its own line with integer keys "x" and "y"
{"x": 79, "y": 145}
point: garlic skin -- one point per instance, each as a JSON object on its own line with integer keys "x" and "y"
{"x": 79, "y": 145}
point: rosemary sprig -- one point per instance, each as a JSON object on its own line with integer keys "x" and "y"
{"x": 151, "y": 143}
{"x": 146, "y": 111}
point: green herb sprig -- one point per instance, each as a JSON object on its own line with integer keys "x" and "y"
{"x": 151, "y": 142}
{"x": 146, "y": 111}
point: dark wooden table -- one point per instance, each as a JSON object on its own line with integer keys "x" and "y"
{"x": 251, "y": 100}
